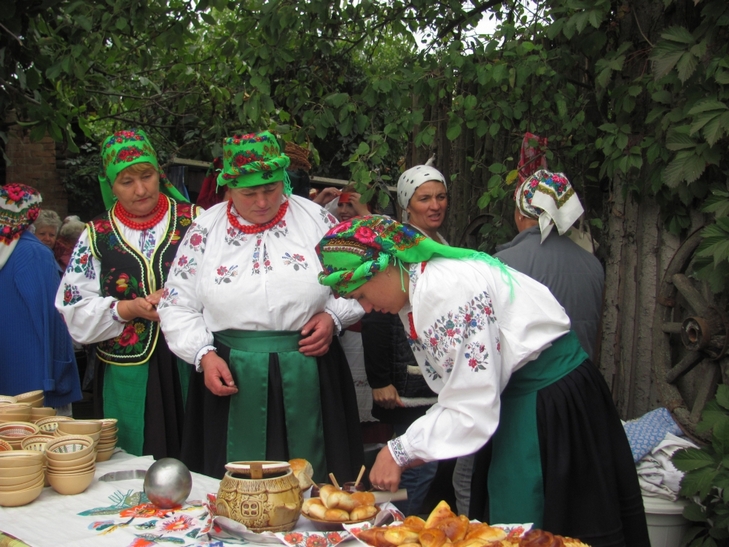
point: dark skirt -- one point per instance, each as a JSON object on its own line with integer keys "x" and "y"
{"x": 204, "y": 443}
{"x": 591, "y": 489}
{"x": 164, "y": 406}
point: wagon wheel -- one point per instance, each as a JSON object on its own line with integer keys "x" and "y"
{"x": 471, "y": 236}
{"x": 690, "y": 340}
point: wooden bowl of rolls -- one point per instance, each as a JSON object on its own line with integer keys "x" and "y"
{"x": 335, "y": 507}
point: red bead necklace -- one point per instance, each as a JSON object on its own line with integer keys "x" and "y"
{"x": 257, "y": 228}
{"x": 127, "y": 218}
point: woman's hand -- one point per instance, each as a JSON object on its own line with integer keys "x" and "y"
{"x": 218, "y": 378}
{"x": 326, "y": 195}
{"x": 317, "y": 335}
{"x": 155, "y": 297}
{"x": 385, "y": 474}
{"x": 139, "y": 307}
{"x": 359, "y": 207}
{"x": 386, "y": 397}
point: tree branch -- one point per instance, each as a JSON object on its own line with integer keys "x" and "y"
{"x": 11, "y": 34}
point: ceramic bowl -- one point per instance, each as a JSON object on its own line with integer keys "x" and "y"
{"x": 34, "y": 398}
{"x": 108, "y": 423}
{"x": 71, "y": 484}
{"x": 105, "y": 455}
{"x": 41, "y": 412}
{"x": 21, "y": 497}
{"x": 29, "y": 469}
{"x": 36, "y": 442}
{"x": 79, "y": 427}
{"x": 21, "y": 482}
{"x": 15, "y": 431}
{"x": 6, "y": 399}
{"x": 15, "y": 412}
{"x": 69, "y": 447}
{"x": 66, "y": 464}
{"x": 20, "y": 458}
{"x": 48, "y": 425}
{"x": 5, "y": 445}
{"x": 73, "y": 470}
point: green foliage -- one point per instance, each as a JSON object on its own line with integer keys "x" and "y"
{"x": 706, "y": 480}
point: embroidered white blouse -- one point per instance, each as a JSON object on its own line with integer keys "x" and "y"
{"x": 91, "y": 317}
{"x": 474, "y": 330}
{"x": 222, "y": 278}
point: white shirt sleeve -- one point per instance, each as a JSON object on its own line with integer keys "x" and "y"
{"x": 88, "y": 315}
{"x": 180, "y": 309}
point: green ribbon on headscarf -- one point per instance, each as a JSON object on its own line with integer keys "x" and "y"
{"x": 123, "y": 149}
{"x": 354, "y": 251}
{"x": 253, "y": 160}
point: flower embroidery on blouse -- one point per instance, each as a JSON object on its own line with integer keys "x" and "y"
{"x": 235, "y": 237}
{"x": 477, "y": 356}
{"x": 280, "y": 229}
{"x": 147, "y": 243}
{"x": 430, "y": 371}
{"x": 329, "y": 219}
{"x": 297, "y": 260}
{"x": 399, "y": 454}
{"x": 81, "y": 262}
{"x": 224, "y": 274}
{"x": 196, "y": 238}
{"x": 170, "y": 297}
{"x": 70, "y": 294}
{"x": 185, "y": 267}
{"x": 257, "y": 258}
{"x": 448, "y": 365}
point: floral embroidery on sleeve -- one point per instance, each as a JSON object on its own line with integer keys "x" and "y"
{"x": 71, "y": 295}
{"x": 170, "y": 297}
{"x": 297, "y": 260}
{"x": 225, "y": 274}
{"x": 477, "y": 356}
{"x": 196, "y": 238}
{"x": 329, "y": 219}
{"x": 81, "y": 262}
{"x": 185, "y": 267}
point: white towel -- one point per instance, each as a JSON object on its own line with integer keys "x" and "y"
{"x": 658, "y": 477}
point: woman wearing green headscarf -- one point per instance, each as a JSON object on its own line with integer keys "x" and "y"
{"x": 112, "y": 285}
{"x": 511, "y": 377}
{"x": 243, "y": 304}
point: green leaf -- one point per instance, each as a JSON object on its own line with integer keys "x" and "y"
{"x": 363, "y": 149}
{"x": 453, "y": 131}
{"x": 706, "y": 105}
{"x": 678, "y": 34}
{"x": 686, "y": 66}
{"x": 690, "y": 459}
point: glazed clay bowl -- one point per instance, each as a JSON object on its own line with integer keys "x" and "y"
{"x": 20, "y": 458}
{"x": 69, "y": 447}
{"x": 5, "y": 445}
{"x": 36, "y": 442}
{"x": 20, "y": 482}
{"x": 65, "y": 465}
{"x": 7, "y": 399}
{"x": 9, "y": 472}
{"x": 48, "y": 425}
{"x": 21, "y": 497}
{"x": 72, "y": 469}
{"x": 79, "y": 427}
{"x": 41, "y": 412}
{"x": 71, "y": 484}
{"x": 262, "y": 495}
{"x": 17, "y": 431}
{"x": 105, "y": 455}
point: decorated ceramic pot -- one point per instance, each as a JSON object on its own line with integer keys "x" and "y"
{"x": 263, "y": 496}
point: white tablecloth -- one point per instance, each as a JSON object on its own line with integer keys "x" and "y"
{"x": 112, "y": 514}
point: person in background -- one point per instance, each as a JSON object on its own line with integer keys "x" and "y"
{"x": 243, "y": 305}
{"x": 423, "y": 197}
{"x": 68, "y": 235}
{"x": 112, "y": 286}
{"x": 512, "y": 380}
{"x": 349, "y": 204}
{"x": 46, "y": 227}
{"x": 38, "y": 351}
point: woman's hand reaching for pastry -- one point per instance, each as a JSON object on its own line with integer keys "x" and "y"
{"x": 317, "y": 335}
{"x": 386, "y": 397}
{"x": 385, "y": 473}
{"x": 218, "y": 378}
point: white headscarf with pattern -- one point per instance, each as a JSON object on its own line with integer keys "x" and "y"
{"x": 411, "y": 180}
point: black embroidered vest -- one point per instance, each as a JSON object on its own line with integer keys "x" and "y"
{"x": 126, "y": 274}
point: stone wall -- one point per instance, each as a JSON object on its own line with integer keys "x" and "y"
{"x": 34, "y": 164}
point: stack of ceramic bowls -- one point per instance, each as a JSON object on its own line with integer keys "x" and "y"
{"x": 49, "y": 425}
{"x": 92, "y": 428}
{"x": 33, "y": 398}
{"x": 40, "y": 412}
{"x": 21, "y": 477}
{"x": 15, "y": 432}
{"x": 5, "y": 446}
{"x": 37, "y": 443}
{"x": 107, "y": 441}
{"x": 5, "y": 399}
{"x": 14, "y": 412}
{"x": 71, "y": 463}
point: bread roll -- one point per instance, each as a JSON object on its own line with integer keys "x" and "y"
{"x": 414, "y": 522}
{"x": 325, "y": 491}
{"x": 303, "y": 471}
{"x": 398, "y": 535}
{"x": 363, "y": 512}
{"x": 540, "y": 538}
{"x": 485, "y": 532}
{"x": 474, "y": 542}
{"x": 432, "y": 537}
{"x": 363, "y": 498}
{"x": 339, "y": 500}
{"x": 374, "y": 536}
{"x": 455, "y": 528}
{"x": 314, "y": 508}
{"x": 441, "y": 511}
{"x": 336, "y": 515}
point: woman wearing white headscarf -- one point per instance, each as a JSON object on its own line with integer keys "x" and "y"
{"x": 423, "y": 196}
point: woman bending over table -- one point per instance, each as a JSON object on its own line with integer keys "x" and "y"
{"x": 497, "y": 348}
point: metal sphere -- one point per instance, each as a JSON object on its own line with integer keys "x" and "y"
{"x": 167, "y": 483}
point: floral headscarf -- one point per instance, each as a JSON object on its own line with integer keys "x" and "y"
{"x": 19, "y": 207}
{"x": 550, "y": 198}
{"x": 354, "y": 251}
{"x": 123, "y": 149}
{"x": 253, "y": 160}
{"x": 411, "y": 180}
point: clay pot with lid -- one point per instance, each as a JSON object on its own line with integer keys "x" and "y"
{"x": 261, "y": 495}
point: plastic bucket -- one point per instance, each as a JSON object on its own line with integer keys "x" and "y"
{"x": 666, "y": 524}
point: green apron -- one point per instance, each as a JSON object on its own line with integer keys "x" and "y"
{"x": 515, "y": 485}
{"x": 249, "y": 355}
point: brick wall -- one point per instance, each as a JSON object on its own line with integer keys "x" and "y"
{"x": 34, "y": 164}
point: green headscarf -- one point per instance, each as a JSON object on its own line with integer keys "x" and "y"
{"x": 125, "y": 148}
{"x": 253, "y": 160}
{"x": 354, "y": 251}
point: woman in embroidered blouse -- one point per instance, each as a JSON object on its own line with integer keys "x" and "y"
{"x": 497, "y": 348}
{"x": 112, "y": 285}
{"x": 242, "y": 303}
